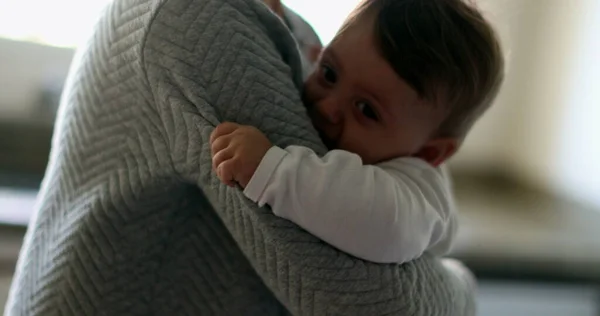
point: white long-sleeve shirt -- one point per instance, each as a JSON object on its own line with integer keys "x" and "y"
{"x": 391, "y": 212}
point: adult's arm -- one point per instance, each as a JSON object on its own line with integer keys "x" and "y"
{"x": 209, "y": 61}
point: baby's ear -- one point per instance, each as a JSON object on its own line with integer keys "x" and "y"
{"x": 438, "y": 150}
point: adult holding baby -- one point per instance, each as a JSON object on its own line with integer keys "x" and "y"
{"x": 133, "y": 221}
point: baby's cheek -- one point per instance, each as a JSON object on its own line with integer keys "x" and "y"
{"x": 312, "y": 92}
{"x": 358, "y": 144}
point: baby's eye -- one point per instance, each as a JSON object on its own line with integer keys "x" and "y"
{"x": 367, "y": 110}
{"x": 328, "y": 74}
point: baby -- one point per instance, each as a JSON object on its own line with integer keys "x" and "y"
{"x": 393, "y": 96}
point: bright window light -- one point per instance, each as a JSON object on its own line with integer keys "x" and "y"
{"x": 325, "y": 16}
{"x": 66, "y": 23}
{"x": 53, "y": 22}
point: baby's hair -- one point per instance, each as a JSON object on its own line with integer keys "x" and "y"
{"x": 444, "y": 49}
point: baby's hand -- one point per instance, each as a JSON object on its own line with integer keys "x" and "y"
{"x": 237, "y": 150}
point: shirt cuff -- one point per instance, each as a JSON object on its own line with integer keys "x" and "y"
{"x": 259, "y": 181}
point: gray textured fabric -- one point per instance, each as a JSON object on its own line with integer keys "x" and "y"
{"x": 124, "y": 224}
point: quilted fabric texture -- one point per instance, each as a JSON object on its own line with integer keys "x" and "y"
{"x": 131, "y": 219}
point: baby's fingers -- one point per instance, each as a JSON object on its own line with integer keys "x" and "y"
{"x": 221, "y": 156}
{"x": 220, "y": 144}
{"x": 223, "y": 129}
{"x": 225, "y": 173}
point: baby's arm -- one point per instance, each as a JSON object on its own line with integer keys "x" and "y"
{"x": 383, "y": 214}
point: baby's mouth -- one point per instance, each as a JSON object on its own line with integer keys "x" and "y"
{"x": 318, "y": 124}
{"x": 329, "y": 143}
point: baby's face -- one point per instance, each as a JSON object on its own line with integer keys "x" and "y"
{"x": 359, "y": 104}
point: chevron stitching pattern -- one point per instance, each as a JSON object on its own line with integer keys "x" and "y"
{"x": 125, "y": 223}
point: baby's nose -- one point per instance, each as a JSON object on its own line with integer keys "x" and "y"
{"x": 330, "y": 111}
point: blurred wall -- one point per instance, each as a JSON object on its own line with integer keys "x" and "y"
{"x": 547, "y": 56}
{"x": 579, "y": 142}
{"x": 486, "y": 150}
{"x": 25, "y": 68}
{"x": 543, "y": 129}
{"x": 554, "y": 143}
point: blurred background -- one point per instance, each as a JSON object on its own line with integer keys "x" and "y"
{"x": 527, "y": 180}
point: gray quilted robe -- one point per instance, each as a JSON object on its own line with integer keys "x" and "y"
{"x": 131, "y": 219}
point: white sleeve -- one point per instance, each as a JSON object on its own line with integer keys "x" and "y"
{"x": 390, "y": 213}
